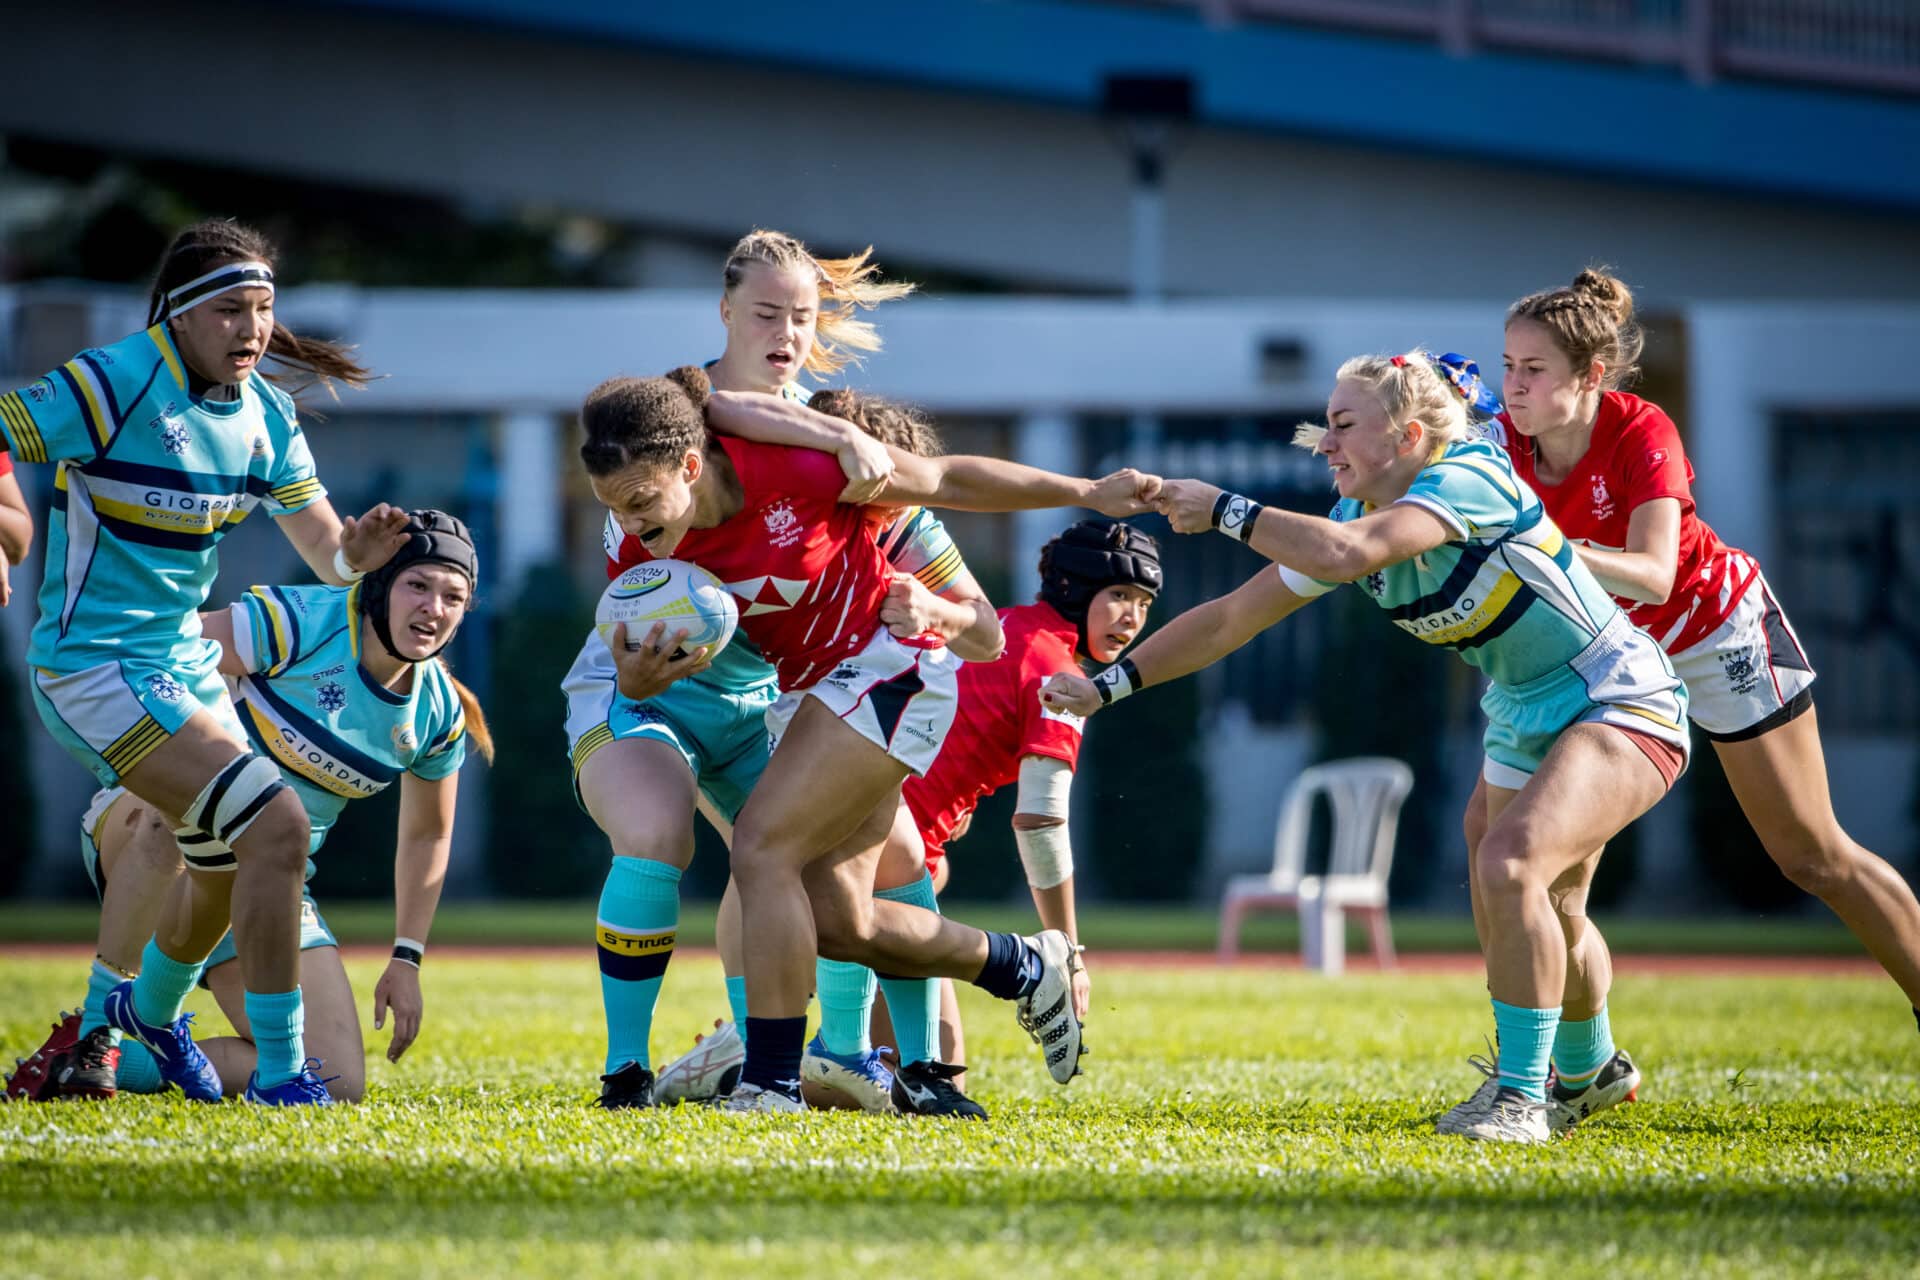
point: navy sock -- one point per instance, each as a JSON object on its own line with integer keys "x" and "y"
{"x": 774, "y": 1046}
{"x": 1012, "y": 968}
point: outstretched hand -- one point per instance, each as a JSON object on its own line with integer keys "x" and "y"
{"x": 369, "y": 541}
{"x": 1187, "y": 504}
{"x": 1125, "y": 492}
{"x": 1069, "y": 692}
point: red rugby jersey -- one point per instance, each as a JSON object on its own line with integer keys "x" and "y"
{"x": 1635, "y": 456}
{"x": 1000, "y": 720}
{"x": 803, "y": 566}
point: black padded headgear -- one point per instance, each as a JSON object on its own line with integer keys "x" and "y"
{"x": 1091, "y": 556}
{"x": 433, "y": 537}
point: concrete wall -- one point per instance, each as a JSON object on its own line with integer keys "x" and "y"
{"x": 1019, "y": 192}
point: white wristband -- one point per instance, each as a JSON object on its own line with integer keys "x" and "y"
{"x": 1116, "y": 682}
{"x": 345, "y": 571}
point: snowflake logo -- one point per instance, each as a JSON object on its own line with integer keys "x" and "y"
{"x": 333, "y": 696}
{"x": 1376, "y": 584}
{"x": 165, "y": 687}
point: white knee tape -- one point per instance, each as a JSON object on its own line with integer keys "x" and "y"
{"x": 235, "y": 798}
{"x": 201, "y": 851}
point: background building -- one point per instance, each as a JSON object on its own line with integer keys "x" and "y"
{"x": 504, "y": 201}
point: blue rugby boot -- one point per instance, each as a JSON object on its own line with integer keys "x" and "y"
{"x": 863, "y": 1077}
{"x": 178, "y": 1057}
{"x": 304, "y": 1090}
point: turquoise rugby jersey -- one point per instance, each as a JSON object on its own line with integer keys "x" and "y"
{"x": 309, "y": 706}
{"x": 150, "y": 478}
{"x": 1507, "y": 593}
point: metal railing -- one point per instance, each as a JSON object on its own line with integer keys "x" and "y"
{"x": 1858, "y": 44}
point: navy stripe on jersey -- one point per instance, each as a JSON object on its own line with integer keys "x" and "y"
{"x": 114, "y": 411}
{"x": 292, "y": 616}
{"x": 172, "y": 540}
{"x": 167, "y": 478}
{"x": 350, "y": 756}
{"x": 1523, "y": 599}
{"x": 1472, "y": 557}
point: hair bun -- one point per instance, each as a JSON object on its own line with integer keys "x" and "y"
{"x": 693, "y": 380}
{"x": 1606, "y": 290}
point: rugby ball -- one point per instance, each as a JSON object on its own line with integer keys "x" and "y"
{"x": 683, "y": 596}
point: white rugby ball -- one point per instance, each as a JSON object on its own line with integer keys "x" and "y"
{"x": 682, "y": 596}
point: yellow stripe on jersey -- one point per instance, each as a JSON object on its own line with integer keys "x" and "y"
{"x": 300, "y": 491}
{"x": 1551, "y": 542}
{"x": 1501, "y": 479}
{"x": 189, "y": 522}
{"x": 590, "y": 741}
{"x": 279, "y": 640}
{"x": 158, "y": 333}
{"x": 939, "y": 575}
{"x": 1482, "y": 617}
{"x": 135, "y": 745}
{"x": 294, "y": 761}
{"x": 21, "y": 429}
{"x": 353, "y": 620}
{"x": 99, "y": 425}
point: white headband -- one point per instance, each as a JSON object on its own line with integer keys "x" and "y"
{"x": 234, "y": 275}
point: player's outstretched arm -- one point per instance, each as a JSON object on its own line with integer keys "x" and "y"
{"x": 1197, "y": 638}
{"x": 967, "y": 483}
{"x": 424, "y": 842}
{"x": 339, "y": 551}
{"x": 1330, "y": 550}
{"x": 767, "y": 419}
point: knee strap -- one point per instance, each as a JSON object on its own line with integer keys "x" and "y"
{"x": 201, "y": 851}
{"x": 236, "y": 796}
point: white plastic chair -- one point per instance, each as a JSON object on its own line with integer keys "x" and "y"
{"x": 1365, "y": 794}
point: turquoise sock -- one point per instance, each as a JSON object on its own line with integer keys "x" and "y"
{"x": 639, "y": 914}
{"x": 1526, "y": 1046}
{"x": 914, "y": 1003}
{"x": 846, "y": 1005}
{"x": 1580, "y": 1049}
{"x": 162, "y": 986}
{"x": 737, "y": 1001}
{"x": 279, "y": 1024}
{"x": 138, "y": 1072}
{"x": 93, "y": 1014}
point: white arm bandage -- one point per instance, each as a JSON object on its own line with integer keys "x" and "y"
{"x": 1046, "y": 852}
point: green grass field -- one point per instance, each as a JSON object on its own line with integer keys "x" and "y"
{"x": 1232, "y": 1122}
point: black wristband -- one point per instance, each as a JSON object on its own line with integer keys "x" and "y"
{"x": 407, "y": 954}
{"x": 1234, "y": 515}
